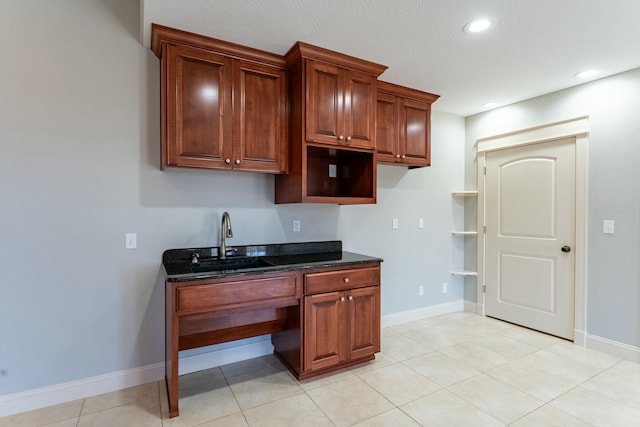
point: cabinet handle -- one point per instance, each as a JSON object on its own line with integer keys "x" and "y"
{"x": 397, "y": 156}
{"x": 227, "y": 161}
{"x": 348, "y": 138}
{"x": 340, "y": 137}
{"x": 350, "y": 298}
{"x": 342, "y": 299}
{"x": 237, "y": 161}
{"x": 403, "y": 156}
{"x": 346, "y": 280}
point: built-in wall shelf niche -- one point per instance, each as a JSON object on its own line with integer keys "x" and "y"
{"x": 465, "y": 273}
{"x": 464, "y": 233}
{"x": 465, "y": 193}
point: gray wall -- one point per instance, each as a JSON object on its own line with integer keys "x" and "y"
{"x": 79, "y": 128}
{"x": 613, "y": 107}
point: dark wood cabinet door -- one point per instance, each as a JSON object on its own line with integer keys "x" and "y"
{"x": 364, "y": 321}
{"x": 387, "y": 123}
{"x": 359, "y": 110}
{"x": 415, "y": 141}
{"x": 324, "y": 103}
{"x": 260, "y": 118}
{"x": 197, "y": 103}
{"x": 324, "y": 330}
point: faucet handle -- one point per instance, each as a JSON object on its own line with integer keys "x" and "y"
{"x": 194, "y": 258}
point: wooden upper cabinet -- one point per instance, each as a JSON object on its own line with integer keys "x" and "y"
{"x": 403, "y": 125}
{"x": 224, "y": 106}
{"x": 197, "y": 91}
{"x": 260, "y": 118}
{"x": 332, "y": 104}
{"x": 340, "y": 106}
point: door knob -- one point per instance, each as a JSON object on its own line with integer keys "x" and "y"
{"x": 566, "y": 249}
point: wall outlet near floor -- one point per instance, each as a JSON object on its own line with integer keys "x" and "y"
{"x": 130, "y": 241}
{"x": 444, "y": 288}
{"x": 296, "y": 225}
{"x": 420, "y": 290}
{"x": 394, "y": 223}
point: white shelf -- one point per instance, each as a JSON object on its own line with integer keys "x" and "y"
{"x": 465, "y": 273}
{"x": 464, "y": 233}
{"x": 466, "y": 193}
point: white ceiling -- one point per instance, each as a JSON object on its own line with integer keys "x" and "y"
{"x": 535, "y": 48}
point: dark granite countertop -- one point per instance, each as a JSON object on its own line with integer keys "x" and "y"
{"x": 179, "y": 265}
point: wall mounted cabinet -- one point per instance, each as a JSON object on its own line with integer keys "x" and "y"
{"x": 403, "y": 125}
{"x": 332, "y": 132}
{"x": 223, "y": 105}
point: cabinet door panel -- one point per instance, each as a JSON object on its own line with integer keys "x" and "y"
{"x": 324, "y": 102}
{"x": 364, "y": 320}
{"x": 323, "y": 330}
{"x": 360, "y": 110}
{"x": 260, "y": 137}
{"x": 414, "y": 135}
{"x": 387, "y": 127}
{"x": 198, "y": 108}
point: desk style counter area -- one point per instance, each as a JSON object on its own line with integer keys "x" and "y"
{"x": 320, "y": 304}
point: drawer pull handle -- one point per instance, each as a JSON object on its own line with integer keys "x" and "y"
{"x": 342, "y": 299}
{"x": 350, "y": 297}
{"x": 346, "y": 280}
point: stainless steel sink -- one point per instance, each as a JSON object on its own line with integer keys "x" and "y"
{"x": 229, "y": 264}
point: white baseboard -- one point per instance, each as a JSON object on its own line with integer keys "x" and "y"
{"x": 66, "y": 392}
{"x": 470, "y": 307}
{"x": 80, "y": 389}
{"x": 421, "y": 313}
{"x": 614, "y": 348}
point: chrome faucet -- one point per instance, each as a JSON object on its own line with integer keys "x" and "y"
{"x": 225, "y": 231}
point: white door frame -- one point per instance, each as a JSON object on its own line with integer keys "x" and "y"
{"x": 577, "y": 128}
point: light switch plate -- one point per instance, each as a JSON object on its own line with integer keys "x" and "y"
{"x": 608, "y": 226}
{"x": 394, "y": 223}
{"x": 130, "y": 241}
{"x": 420, "y": 222}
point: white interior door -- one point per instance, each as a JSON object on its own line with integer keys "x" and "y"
{"x": 530, "y": 235}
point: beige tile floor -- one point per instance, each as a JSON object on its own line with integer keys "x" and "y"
{"x": 453, "y": 370}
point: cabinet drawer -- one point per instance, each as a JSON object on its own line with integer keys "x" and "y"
{"x": 246, "y": 291}
{"x": 341, "y": 280}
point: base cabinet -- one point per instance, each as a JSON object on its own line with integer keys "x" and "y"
{"x": 339, "y": 325}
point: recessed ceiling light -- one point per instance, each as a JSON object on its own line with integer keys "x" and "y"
{"x": 478, "y": 25}
{"x": 585, "y": 74}
{"x": 490, "y": 105}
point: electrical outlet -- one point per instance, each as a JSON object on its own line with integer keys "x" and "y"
{"x": 420, "y": 222}
{"x": 394, "y": 223}
{"x": 130, "y": 241}
{"x": 296, "y": 225}
{"x": 608, "y": 226}
{"x": 420, "y": 290}
{"x": 444, "y": 288}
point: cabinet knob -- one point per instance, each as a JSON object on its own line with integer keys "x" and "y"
{"x": 227, "y": 161}
{"x": 340, "y": 137}
{"x": 346, "y": 280}
{"x": 403, "y": 156}
{"x": 342, "y": 299}
{"x": 348, "y": 138}
{"x": 237, "y": 161}
{"x": 350, "y": 298}
{"x": 397, "y": 156}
